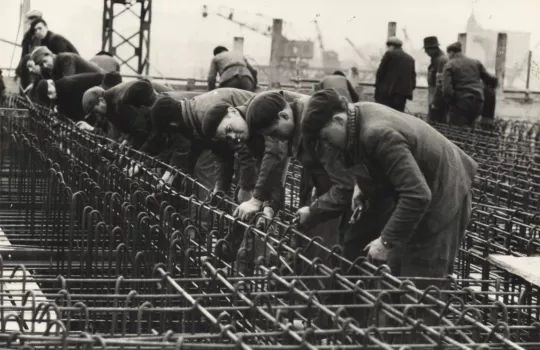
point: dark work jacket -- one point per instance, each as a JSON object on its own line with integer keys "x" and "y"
{"x": 29, "y": 43}
{"x": 57, "y": 43}
{"x": 399, "y": 156}
{"x": 435, "y": 67}
{"x": 193, "y": 111}
{"x": 342, "y": 85}
{"x": 396, "y": 75}
{"x": 67, "y": 63}
{"x": 465, "y": 77}
{"x": 70, "y": 91}
{"x": 106, "y": 62}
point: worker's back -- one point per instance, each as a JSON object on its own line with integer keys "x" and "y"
{"x": 338, "y": 83}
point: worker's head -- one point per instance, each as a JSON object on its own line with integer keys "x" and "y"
{"x": 393, "y": 43}
{"x": 325, "y": 119}
{"x": 220, "y": 49}
{"x": 165, "y": 114}
{"x": 43, "y": 57}
{"x": 94, "y": 103}
{"x": 31, "y": 16}
{"x": 338, "y": 72}
{"x": 225, "y": 123}
{"x": 104, "y": 53}
{"x": 431, "y": 45}
{"x": 453, "y": 49}
{"x": 268, "y": 114}
{"x": 46, "y": 91}
{"x": 111, "y": 79}
{"x": 40, "y": 28}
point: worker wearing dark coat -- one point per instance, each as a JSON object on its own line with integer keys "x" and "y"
{"x": 125, "y": 106}
{"x": 396, "y": 76}
{"x": 67, "y": 93}
{"x": 54, "y": 42}
{"x": 106, "y": 61}
{"x": 341, "y": 84}
{"x": 58, "y": 66}
{"x": 233, "y": 69}
{"x": 463, "y": 86}
{"x": 189, "y": 118}
{"x": 400, "y": 160}
{"x": 437, "y": 107}
{"x": 30, "y": 41}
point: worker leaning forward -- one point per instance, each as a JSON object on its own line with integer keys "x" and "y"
{"x": 209, "y": 160}
{"x": 275, "y": 117}
{"x": 233, "y": 69}
{"x": 406, "y": 170}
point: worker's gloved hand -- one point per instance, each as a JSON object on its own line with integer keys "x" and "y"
{"x": 134, "y": 170}
{"x": 263, "y": 220}
{"x": 247, "y": 209}
{"x": 84, "y": 126}
{"x": 243, "y": 196}
{"x": 377, "y": 251}
{"x": 357, "y": 198}
{"x": 303, "y": 215}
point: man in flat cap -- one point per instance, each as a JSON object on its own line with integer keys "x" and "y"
{"x": 58, "y": 66}
{"x": 273, "y": 120}
{"x": 396, "y": 76}
{"x": 124, "y": 107}
{"x": 415, "y": 183}
{"x": 233, "y": 69}
{"x": 437, "y": 107}
{"x": 67, "y": 93}
{"x": 194, "y": 119}
{"x": 463, "y": 86}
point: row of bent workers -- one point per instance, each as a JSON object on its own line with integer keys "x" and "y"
{"x": 405, "y": 184}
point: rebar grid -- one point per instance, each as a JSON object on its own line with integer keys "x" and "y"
{"x": 154, "y": 269}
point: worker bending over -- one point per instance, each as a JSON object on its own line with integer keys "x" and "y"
{"x": 233, "y": 69}
{"x": 400, "y": 162}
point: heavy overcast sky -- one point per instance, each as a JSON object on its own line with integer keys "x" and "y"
{"x": 182, "y": 40}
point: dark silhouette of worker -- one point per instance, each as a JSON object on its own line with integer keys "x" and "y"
{"x": 233, "y": 69}
{"x": 396, "y": 76}
{"x": 437, "y": 108}
{"x": 463, "y": 86}
{"x": 341, "y": 84}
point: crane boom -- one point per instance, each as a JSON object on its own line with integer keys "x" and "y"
{"x": 230, "y": 17}
{"x": 319, "y": 35}
{"x": 359, "y": 53}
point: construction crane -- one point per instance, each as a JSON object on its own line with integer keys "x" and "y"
{"x": 330, "y": 59}
{"x": 369, "y": 61}
{"x": 228, "y": 14}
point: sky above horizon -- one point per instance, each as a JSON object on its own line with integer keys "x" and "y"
{"x": 182, "y": 40}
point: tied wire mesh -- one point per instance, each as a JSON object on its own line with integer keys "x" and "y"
{"x": 93, "y": 257}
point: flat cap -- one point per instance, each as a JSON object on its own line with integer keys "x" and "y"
{"x": 319, "y": 110}
{"x": 33, "y": 13}
{"x": 40, "y": 52}
{"x": 213, "y": 117}
{"x": 263, "y": 109}
{"x": 455, "y": 47}
{"x": 91, "y": 98}
{"x": 394, "y": 40}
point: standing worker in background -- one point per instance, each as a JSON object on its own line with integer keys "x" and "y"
{"x": 54, "y": 42}
{"x": 463, "y": 86}
{"x": 341, "y": 84}
{"x": 233, "y": 69}
{"x": 30, "y": 41}
{"x": 437, "y": 108}
{"x": 396, "y": 76}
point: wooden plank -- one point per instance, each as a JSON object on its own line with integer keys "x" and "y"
{"x": 527, "y": 268}
{"x": 15, "y": 294}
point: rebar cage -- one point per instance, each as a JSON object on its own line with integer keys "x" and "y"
{"x": 92, "y": 257}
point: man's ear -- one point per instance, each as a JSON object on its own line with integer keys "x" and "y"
{"x": 283, "y": 115}
{"x": 344, "y": 103}
{"x": 339, "y": 119}
{"x": 101, "y": 99}
{"x": 281, "y": 93}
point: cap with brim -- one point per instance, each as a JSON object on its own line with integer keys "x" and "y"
{"x": 33, "y": 14}
{"x": 39, "y": 53}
